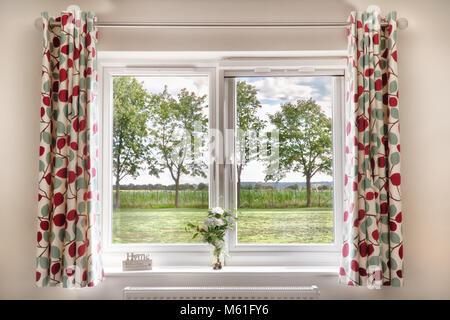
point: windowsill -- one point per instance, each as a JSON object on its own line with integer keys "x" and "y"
{"x": 227, "y": 270}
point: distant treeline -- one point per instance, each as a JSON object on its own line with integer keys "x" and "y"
{"x": 158, "y": 186}
{"x": 245, "y": 185}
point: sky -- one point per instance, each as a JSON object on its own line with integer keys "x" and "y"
{"x": 272, "y": 92}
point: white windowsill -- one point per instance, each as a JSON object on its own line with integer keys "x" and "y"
{"x": 227, "y": 270}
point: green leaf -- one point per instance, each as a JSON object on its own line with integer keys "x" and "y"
{"x": 83, "y": 261}
{"x": 65, "y": 281}
{"x": 46, "y": 86}
{"x": 394, "y": 113}
{"x": 385, "y": 237}
{"x": 62, "y": 235}
{"x": 393, "y": 87}
{"x": 57, "y": 182}
{"x": 393, "y": 264}
{"x": 392, "y": 138}
{"x": 55, "y": 252}
{"x": 60, "y": 128}
{"x": 378, "y": 96}
{"x": 66, "y": 236}
{"x": 395, "y": 158}
{"x": 80, "y": 183}
{"x": 374, "y": 260}
{"x": 81, "y": 207}
{"x": 43, "y": 262}
{"x": 365, "y": 183}
{"x": 79, "y": 235}
{"x": 58, "y": 162}
{"x": 46, "y": 137}
{"x": 395, "y": 282}
{"x": 392, "y": 209}
{"x": 45, "y": 210}
{"x": 395, "y": 237}
{"x": 366, "y": 137}
{"x": 378, "y": 113}
{"x": 363, "y": 227}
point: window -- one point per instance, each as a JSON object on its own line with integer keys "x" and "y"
{"x": 160, "y": 156}
{"x": 262, "y": 136}
{"x": 284, "y": 195}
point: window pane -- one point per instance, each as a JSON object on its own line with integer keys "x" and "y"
{"x": 284, "y": 159}
{"x": 160, "y": 158}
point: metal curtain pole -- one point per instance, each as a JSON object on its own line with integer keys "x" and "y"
{"x": 402, "y": 23}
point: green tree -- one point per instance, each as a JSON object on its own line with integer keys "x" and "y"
{"x": 292, "y": 187}
{"x": 304, "y": 143}
{"x": 202, "y": 186}
{"x": 177, "y": 135}
{"x": 130, "y": 116}
{"x": 249, "y": 128}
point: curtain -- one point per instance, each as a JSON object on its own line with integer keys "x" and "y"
{"x": 372, "y": 252}
{"x": 68, "y": 238}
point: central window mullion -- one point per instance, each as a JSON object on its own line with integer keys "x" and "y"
{"x": 229, "y": 120}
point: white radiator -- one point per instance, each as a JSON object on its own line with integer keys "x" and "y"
{"x": 221, "y": 293}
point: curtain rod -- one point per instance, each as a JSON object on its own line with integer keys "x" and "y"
{"x": 402, "y": 23}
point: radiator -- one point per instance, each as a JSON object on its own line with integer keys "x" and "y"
{"x": 221, "y": 293}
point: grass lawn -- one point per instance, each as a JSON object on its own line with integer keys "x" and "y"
{"x": 292, "y": 225}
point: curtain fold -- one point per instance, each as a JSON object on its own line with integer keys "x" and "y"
{"x": 68, "y": 222}
{"x": 372, "y": 252}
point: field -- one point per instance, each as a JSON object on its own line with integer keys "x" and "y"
{"x": 250, "y": 199}
{"x": 265, "y": 216}
{"x": 288, "y": 225}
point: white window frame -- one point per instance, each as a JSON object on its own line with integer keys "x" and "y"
{"x": 287, "y": 254}
{"x": 170, "y": 253}
{"x": 222, "y": 173}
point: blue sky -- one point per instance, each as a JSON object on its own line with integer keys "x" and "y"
{"x": 272, "y": 92}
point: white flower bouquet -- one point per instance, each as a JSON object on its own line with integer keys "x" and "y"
{"x": 213, "y": 231}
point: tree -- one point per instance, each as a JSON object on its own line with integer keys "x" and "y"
{"x": 130, "y": 116}
{"x": 324, "y": 187}
{"x": 202, "y": 186}
{"x": 292, "y": 187}
{"x": 305, "y": 141}
{"x": 249, "y": 128}
{"x": 177, "y": 135}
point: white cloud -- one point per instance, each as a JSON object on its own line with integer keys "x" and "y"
{"x": 282, "y": 89}
{"x": 277, "y": 90}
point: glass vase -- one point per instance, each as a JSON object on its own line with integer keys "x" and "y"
{"x": 217, "y": 256}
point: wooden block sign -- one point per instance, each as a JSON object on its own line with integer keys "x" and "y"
{"x": 137, "y": 261}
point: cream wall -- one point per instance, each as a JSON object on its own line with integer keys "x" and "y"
{"x": 424, "y": 67}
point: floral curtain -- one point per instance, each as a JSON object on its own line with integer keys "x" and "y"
{"x": 372, "y": 252}
{"x": 68, "y": 240}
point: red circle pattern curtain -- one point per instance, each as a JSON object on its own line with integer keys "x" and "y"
{"x": 68, "y": 237}
{"x": 372, "y": 252}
